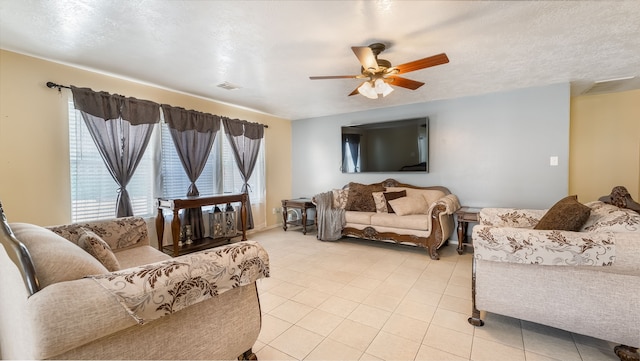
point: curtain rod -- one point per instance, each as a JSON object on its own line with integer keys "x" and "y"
{"x": 52, "y": 85}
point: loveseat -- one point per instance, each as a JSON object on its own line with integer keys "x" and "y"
{"x": 394, "y": 211}
{"x": 585, "y": 280}
{"x": 98, "y": 290}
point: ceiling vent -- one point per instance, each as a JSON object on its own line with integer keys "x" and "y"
{"x": 613, "y": 85}
{"x": 228, "y": 86}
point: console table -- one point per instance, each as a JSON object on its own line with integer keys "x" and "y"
{"x": 176, "y": 204}
{"x": 465, "y": 215}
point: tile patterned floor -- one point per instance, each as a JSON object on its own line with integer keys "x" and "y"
{"x": 365, "y": 300}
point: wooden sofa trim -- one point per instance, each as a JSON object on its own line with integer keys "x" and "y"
{"x": 431, "y": 243}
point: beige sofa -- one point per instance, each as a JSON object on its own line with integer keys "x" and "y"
{"x": 424, "y": 217}
{"x": 59, "y": 302}
{"x": 585, "y": 281}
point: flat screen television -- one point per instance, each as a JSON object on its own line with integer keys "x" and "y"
{"x": 392, "y": 146}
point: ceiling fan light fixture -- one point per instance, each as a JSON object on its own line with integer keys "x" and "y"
{"x": 367, "y": 90}
{"x": 382, "y": 87}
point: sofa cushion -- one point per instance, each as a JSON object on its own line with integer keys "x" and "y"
{"x": 99, "y": 249}
{"x": 409, "y": 205}
{"x": 566, "y": 215}
{"x": 358, "y": 217}
{"x": 418, "y": 222}
{"x": 55, "y": 259}
{"x": 138, "y": 256}
{"x": 360, "y": 198}
{"x": 389, "y": 196}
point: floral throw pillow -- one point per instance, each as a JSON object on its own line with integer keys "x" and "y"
{"x": 99, "y": 249}
{"x": 381, "y": 203}
{"x": 340, "y": 198}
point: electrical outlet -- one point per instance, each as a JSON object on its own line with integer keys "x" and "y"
{"x": 553, "y": 161}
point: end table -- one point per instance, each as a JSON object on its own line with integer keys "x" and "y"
{"x": 303, "y": 204}
{"x": 465, "y": 215}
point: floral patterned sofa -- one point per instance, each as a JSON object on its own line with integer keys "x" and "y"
{"x": 585, "y": 280}
{"x": 98, "y": 290}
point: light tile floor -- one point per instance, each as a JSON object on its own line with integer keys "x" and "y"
{"x": 365, "y": 300}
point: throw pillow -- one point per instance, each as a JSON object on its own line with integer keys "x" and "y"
{"x": 389, "y": 196}
{"x": 566, "y": 215}
{"x": 99, "y": 249}
{"x": 360, "y": 198}
{"x": 340, "y": 198}
{"x": 409, "y": 205}
{"x": 55, "y": 259}
{"x": 380, "y": 201}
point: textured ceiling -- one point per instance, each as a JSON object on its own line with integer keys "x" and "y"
{"x": 270, "y": 48}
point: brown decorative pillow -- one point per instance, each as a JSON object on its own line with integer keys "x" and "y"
{"x": 566, "y": 215}
{"x": 389, "y": 196}
{"x": 360, "y": 198}
{"x": 99, "y": 249}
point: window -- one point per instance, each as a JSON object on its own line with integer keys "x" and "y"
{"x": 94, "y": 192}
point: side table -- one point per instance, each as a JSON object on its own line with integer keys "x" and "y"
{"x": 465, "y": 215}
{"x": 304, "y": 204}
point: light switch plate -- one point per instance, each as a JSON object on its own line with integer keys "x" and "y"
{"x": 553, "y": 161}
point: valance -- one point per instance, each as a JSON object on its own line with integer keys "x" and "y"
{"x": 112, "y": 106}
{"x": 181, "y": 119}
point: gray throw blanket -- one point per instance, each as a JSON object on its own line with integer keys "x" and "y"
{"x": 329, "y": 220}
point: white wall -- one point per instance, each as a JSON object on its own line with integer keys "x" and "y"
{"x": 491, "y": 150}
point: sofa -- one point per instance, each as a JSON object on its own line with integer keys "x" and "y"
{"x": 99, "y": 290}
{"x": 579, "y": 271}
{"x": 396, "y": 212}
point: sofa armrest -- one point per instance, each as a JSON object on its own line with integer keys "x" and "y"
{"x": 543, "y": 247}
{"x": 154, "y": 290}
{"x": 450, "y": 201}
{"x": 82, "y": 308}
{"x": 510, "y": 217}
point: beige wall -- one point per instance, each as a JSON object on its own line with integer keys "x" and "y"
{"x": 34, "y": 141}
{"x": 604, "y": 144}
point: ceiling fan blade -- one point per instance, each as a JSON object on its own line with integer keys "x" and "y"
{"x": 355, "y": 91}
{"x": 333, "y": 77}
{"x": 404, "y": 82}
{"x": 422, "y": 63}
{"x": 366, "y": 57}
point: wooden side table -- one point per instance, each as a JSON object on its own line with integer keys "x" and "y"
{"x": 304, "y": 204}
{"x": 465, "y": 215}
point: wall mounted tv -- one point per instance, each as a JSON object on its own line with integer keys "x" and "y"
{"x": 393, "y": 146}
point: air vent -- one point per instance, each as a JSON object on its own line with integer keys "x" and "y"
{"x": 228, "y": 86}
{"x": 614, "y": 85}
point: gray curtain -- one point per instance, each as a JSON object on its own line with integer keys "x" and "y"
{"x": 193, "y": 134}
{"x": 245, "y": 139}
{"x": 121, "y": 128}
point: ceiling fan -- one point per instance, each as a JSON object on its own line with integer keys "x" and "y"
{"x": 379, "y": 73}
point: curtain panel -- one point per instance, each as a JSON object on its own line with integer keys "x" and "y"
{"x": 245, "y": 138}
{"x": 121, "y": 128}
{"x": 193, "y": 134}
